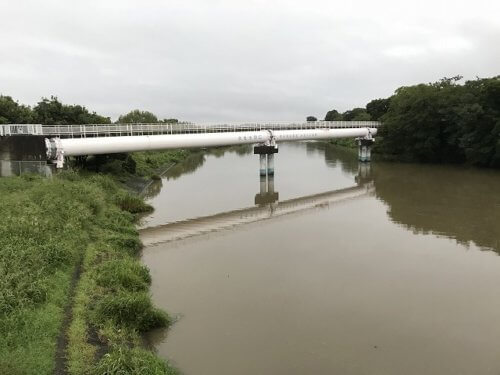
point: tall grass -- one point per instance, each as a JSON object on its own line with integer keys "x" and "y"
{"x": 47, "y": 228}
{"x": 148, "y": 163}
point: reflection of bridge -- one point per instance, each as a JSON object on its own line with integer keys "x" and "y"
{"x": 55, "y": 142}
{"x": 188, "y": 228}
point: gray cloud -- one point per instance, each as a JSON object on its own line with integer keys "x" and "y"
{"x": 238, "y": 60}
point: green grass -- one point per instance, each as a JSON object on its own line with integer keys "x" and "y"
{"x": 150, "y": 163}
{"x": 132, "y": 310}
{"x": 127, "y": 361}
{"x": 123, "y": 274}
{"x": 132, "y": 203}
{"x": 47, "y": 228}
{"x": 344, "y": 142}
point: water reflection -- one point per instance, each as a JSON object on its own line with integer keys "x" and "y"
{"x": 188, "y": 166}
{"x": 324, "y": 291}
{"x": 335, "y": 156}
{"x": 194, "y": 161}
{"x": 153, "y": 189}
{"x": 458, "y": 203}
{"x": 267, "y": 208}
{"x": 453, "y": 202}
{"x": 266, "y": 195}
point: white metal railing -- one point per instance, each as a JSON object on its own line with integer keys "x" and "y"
{"x": 20, "y": 129}
{"x": 95, "y": 130}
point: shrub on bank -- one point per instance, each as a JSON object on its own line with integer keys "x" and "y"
{"x": 129, "y": 243}
{"x": 132, "y": 203}
{"x": 149, "y": 162}
{"x": 344, "y": 142}
{"x": 122, "y": 360}
{"x": 123, "y": 274}
{"x": 132, "y": 310}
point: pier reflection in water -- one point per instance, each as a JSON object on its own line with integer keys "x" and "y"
{"x": 367, "y": 271}
{"x": 267, "y": 207}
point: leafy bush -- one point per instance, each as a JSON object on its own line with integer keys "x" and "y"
{"x": 123, "y": 273}
{"x": 128, "y": 242}
{"x": 132, "y": 203}
{"x": 131, "y": 310}
{"x": 112, "y": 167}
{"x": 122, "y": 360}
{"x": 148, "y": 163}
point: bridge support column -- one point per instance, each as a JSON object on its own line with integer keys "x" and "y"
{"x": 263, "y": 187}
{"x": 263, "y": 167}
{"x": 364, "y": 149}
{"x": 270, "y": 165}
{"x": 23, "y": 154}
{"x": 266, "y": 155}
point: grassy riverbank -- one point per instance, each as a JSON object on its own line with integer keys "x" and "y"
{"x": 344, "y": 142}
{"x": 134, "y": 170}
{"x": 73, "y": 231}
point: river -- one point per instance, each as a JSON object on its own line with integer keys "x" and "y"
{"x": 382, "y": 269}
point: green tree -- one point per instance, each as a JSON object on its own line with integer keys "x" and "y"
{"x": 52, "y": 111}
{"x": 333, "y": 115}
{"x": 311, "y": 118}
{"x": 480, "y": 122}
{"x": 138, "y": 117}
{"x": 169, "y": 121}
{"x": 11, "y": 112}
{"x": 356, "y": 114}
{"x": 377, "y": 108}
{"x": 444, "y": 122}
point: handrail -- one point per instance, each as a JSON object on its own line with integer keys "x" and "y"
{"x": 93, "y": 130}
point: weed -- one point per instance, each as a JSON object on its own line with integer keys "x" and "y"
{"x": 122, "y": 360}
{"x": 131, "y": 310}
{"x": 123, "y": 273}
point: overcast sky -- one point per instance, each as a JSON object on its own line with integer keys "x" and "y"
{"x": 207, "y": 60}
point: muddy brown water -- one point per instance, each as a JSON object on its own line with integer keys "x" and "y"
{"x": 388, "y": 270}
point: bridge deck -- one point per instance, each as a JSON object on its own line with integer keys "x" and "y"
{"x": 112, "y": 130}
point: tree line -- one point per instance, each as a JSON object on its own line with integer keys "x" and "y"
{"x": 442, "y": 122}
{"x": 445, "y": 122}
{"x": 52, "y": 111}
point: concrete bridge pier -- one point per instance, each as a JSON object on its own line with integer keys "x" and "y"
{"x": 263, "y": 186}
{"x": 263, "y": 165}
{"x": 23, "y": 154}
{"x": 270, "y": 165}
{"x": 266, "y": 155}
{"x": 364, "y": 149}
{"x": 270, "y": 185}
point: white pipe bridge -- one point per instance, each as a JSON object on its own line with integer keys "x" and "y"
{"x": 76, "y": 140}
{"x": 110, "y": 130}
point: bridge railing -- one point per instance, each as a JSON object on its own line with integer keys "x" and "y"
{"x": 104, "y": 130}
{"x": 20, "y": 129}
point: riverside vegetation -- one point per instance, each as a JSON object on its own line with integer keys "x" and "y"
{"x": 74, "y": 297}
{"x": 64, "y": 231}
{"x": 440, "y": 122}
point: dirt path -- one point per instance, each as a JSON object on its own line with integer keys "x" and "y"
{"x": 61, "y": 367}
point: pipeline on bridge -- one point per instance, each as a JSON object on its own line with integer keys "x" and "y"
{"x": 58, "y": 148}
{"x": 60, "y": 141}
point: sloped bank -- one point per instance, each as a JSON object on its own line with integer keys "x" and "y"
{"x": 48, "y": 229}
